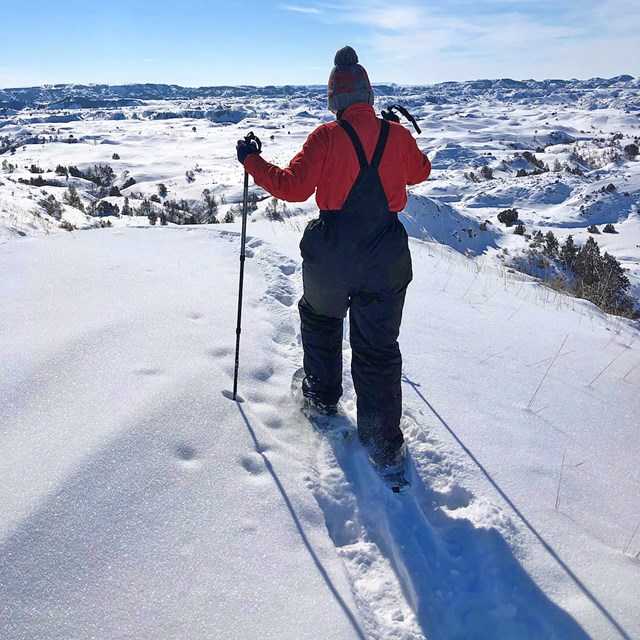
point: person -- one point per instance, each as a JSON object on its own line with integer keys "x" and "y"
{"x": 355, "y": 255}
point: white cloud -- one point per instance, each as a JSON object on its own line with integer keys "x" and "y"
{"x": 464, "y": 39}
{"x": 309, "y": 10}
{"x": 386, "y": 17}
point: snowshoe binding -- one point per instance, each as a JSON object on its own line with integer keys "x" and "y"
{"x": 327, "y": 419}
{"x": 393, "y": 470}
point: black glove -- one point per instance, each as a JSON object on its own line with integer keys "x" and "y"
{"x": 245, "y": 149}
{"x": 389, "y": 115}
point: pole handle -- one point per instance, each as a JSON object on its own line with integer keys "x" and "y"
{"x": 253, "y": 140}
{"x": 389, "y": 115}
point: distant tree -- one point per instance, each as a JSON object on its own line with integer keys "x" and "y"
{"x": 520, "y": 230}
{"x": 275, "y": 210}
{"x": 601, "y": 279}
{"x": 530, "y": 157}
{"x": 592, "y": 228}
{"x": 38, "y": 181}
{"x": 508, "y": 217}
{"x": 106, "y": 208}
{"x": 51, "y": 206}
{"x": 115, "y": 156}
{"x": 197, "y": 214}
{"x": 587, "y": 261}
{"x": 252, "y": 201}
{"x": 568, "y": 252}
{"x": 101, "y": 175}
{"x": 609, "y": 228}
{"x": 145, "y": 208}
{"x": 538, "y": 239}
{"x": 631, "y": 151}
{"x": 129, "y": 183}
{"x": 232, "y": 212}
{"x": 551, "y": 244}
{"x": 126, "y": 207}
{"x": 190, "y": 176}
{"x": 614, "y": 282}
{"x": 162, "y": 190}
{"x": 486, "y": 172}
{"x": 71, "y": 197}
{"x": 210, "y": 205}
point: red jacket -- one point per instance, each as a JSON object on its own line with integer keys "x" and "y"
{"x": 329, "y": 166}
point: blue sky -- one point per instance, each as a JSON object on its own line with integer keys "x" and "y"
{"x": 198, "y": 42}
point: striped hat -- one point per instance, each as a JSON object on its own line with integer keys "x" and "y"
{"x": 348, "y": 82}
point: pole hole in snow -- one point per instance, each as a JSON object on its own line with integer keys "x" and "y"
{"x": 229, "y": 394}
{"x": 186, "y": 452}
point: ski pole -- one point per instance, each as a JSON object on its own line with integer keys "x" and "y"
{"x": 253, "y": 140}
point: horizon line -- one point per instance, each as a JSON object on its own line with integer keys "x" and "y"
{"x": 626, "y": 76}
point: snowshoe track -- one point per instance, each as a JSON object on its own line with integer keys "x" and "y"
{"x": 419, "y": 565}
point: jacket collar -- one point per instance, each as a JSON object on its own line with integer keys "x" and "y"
{"x": 358, "y": 108}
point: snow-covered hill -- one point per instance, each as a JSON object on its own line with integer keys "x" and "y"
{"x": 556, "y": 151}
{"x": 140, "y": 502}
{"x": 601, "y": 91}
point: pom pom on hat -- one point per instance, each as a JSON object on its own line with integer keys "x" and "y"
{"x": 346, "y": 55}
{"x": 348, "y": 81}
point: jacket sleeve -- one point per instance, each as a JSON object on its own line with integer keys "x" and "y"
{"x": 299, "y": 180}
{"x": 418, "y": 165}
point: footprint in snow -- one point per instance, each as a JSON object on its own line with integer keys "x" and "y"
{"x": 288, "y": 269}
{"x": 253, "y": 464}
{"x": 219, "y": 353}
{"x": 187, "y": 456}
{"x": 455, "y": 498}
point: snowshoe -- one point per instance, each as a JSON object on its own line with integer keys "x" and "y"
{"x": 328, "y": 420}
{"x": 393, "y": 472}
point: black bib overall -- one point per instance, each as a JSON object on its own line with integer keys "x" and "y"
{"x": 357, "y": 259}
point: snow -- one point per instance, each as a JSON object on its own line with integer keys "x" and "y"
{"x": 140, "y": 502}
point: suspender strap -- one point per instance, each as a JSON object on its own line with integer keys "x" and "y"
{"x": 379, "y": 150}
{"x": 382, "y": 141}
{"x": 362, "y": 157}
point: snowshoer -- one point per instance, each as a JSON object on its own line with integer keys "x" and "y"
{"x": 355, "y": 255}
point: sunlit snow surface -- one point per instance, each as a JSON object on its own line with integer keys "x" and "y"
{"x": 139, "y": 502}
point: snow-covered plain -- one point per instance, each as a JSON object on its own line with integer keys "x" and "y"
{"x": 140, "y": 502}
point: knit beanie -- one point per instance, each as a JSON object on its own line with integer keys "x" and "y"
{"x": 348, "y": 82}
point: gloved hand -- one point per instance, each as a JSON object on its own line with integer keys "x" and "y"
{"x": 245, "y": 149}
{"x": 389, "y": 115}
